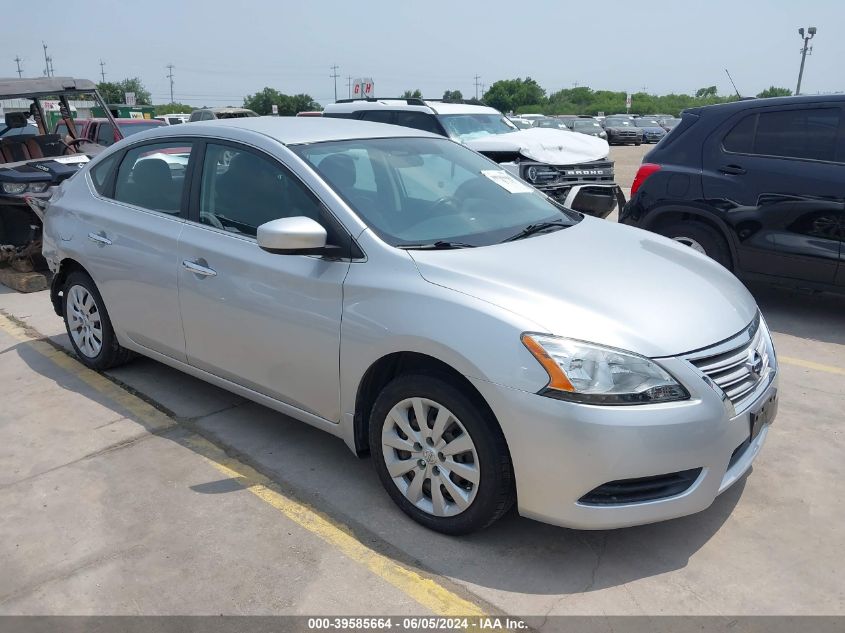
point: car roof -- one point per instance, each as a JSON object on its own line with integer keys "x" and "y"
{"x": 755, "y": 102}
{"x": 290, "y": 130}
{"x": 44, "y": 86}
{"x": 227, "y": 109}
{"x": 418, "y": 105}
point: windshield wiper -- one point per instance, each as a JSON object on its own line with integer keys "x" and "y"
{"x": 539, "y": 227}
{"x": 439, "y": 245}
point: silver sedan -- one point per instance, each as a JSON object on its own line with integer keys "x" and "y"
{"x": 487, "y": 346}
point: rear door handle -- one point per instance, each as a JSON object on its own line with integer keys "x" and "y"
{"x": 99, "y": 238}
{"x": 198, "y": 269}
{"x": 732, "y": 170}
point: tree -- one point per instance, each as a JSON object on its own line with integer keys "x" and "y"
{"x": 174, "y": 108}
{"x": 509, "y": 94}
{"x": 115, "y": 92}
{"x": 704, "y": 93}
{"x": 774, "y": 91}
{"x": 453, "y": 96}
{"x": 263, "y": 102}
{"x": 412, "y": 94}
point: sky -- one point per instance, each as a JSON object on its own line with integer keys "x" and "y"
{"x": 222, "y": 51}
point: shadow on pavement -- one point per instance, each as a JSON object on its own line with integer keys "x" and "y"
{"x": 819, "y": 316}
{"x": 515, "y": 555}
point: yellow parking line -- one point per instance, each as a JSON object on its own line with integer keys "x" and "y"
{"x": 426, "y": 591}
{"x": 808, "y": 364}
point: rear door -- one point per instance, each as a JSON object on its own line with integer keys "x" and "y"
{"x": 130, "y": 235}
{"x": 779, "y": 173}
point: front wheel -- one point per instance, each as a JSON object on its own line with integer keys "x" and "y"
{"x": 440, "y": 455}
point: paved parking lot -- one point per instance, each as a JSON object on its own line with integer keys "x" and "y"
{"x": 151, "y": 492}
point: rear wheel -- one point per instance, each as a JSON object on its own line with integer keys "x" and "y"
{"x": 699, "y": 237}
{"x": 440, "y": 455}
{"x": 88, "y": 324}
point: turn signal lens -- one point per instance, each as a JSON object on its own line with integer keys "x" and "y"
{"x": 557, "y": 379}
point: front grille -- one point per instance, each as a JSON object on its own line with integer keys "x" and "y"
{"x": 641, "y": 489}
{"x": 738, "y": 365}
{"x": 598, "y": 172}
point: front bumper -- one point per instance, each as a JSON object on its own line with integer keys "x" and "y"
{"x": 561, "y": 450}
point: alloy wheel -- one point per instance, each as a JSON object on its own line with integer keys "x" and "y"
{"x": 84, "y": 322}
{"x": 430, "y": 457}
{"x": 693, "y": 244}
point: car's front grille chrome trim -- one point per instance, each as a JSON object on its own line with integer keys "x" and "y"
{"x": 739, "y": 365}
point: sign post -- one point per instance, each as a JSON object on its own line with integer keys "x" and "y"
{"x": 275, "y": 109}
{"x": 628, "y": 103}
{"x": 129, "y": 98}
{"x": 363, "y": 88}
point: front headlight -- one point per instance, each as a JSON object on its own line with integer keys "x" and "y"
{"x": 593, "y": 374}
{"x": 14, "y": 187}
{"x": 38, "y": 187}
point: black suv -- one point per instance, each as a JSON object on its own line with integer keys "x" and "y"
{"x": 758, "y": 185}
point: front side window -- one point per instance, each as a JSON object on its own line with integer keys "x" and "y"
{"x": 430, "y": 190}
{"x": 153, "y": 176}
{"x": 101, "y": 173}
{"x": 241, "y": 190}
{"x": 809, "y": 133}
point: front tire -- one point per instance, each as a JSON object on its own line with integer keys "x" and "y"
{"x": 700, "y": 237}
{"x": 440, "y": 454}
{"x": 88, "y": 325}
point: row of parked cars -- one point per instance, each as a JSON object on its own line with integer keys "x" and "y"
{"x": 617, "y": 129}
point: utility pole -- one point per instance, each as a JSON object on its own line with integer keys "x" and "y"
{"x": 170, "y": 77}
{"x": 18, "y": 61}
{"x": 103, "y": 70}
{"x": 811, "y": 32}
{"x": 334, "y": 76}
{"x": 50, "y": 64}
{"x": 477, "y": 84}
{"x": 349, "y": 86}
{"x": 46, "y": 59}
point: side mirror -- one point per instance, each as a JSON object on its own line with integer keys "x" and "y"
{"x": 292, "y": 236}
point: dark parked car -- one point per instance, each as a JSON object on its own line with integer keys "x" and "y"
{"x": 757, "y": 185}
{"x": 652, "y": 131}
{"x": 622, "y": 131}
{"x": 588, "y": 126}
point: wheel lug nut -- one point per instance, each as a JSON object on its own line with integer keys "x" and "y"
{"x": 435, "y": 470}
{"x": 421, "y": 463}
{"x": 441, "y": 457}
{"x": 429, "y": 441}
{"x": 417, "y": 446}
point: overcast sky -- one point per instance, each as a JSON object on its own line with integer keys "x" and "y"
{"x": 222, "y": 51}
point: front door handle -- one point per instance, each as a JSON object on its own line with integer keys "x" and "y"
{"x": 198, "y": 269}
{"x": 99, "y": 238}
{"x": 732, "y": 170}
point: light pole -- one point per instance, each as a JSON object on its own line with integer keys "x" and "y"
{"x": 811, "y": 32}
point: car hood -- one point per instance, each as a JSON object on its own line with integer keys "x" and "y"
{"x": 544, "y": 145}
{"x": 621, "y": 128}
{"x": 653, "y": 128}
{"x": 605, "y": 283}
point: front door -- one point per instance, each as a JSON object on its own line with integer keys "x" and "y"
{"x": 268, "y": 322}
{"x": 779, "y": 173}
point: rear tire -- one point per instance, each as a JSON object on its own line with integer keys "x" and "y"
{"x": 88, "y": 325}
{"x": 700, "y": 237}
{"x": 451, "y": 492}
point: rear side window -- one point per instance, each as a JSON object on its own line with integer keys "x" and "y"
{"x": 805, "y": 134}
{"x": 153, "y": 176}
{"x": 105, "y": 134}
{"x": 378, "y": 116}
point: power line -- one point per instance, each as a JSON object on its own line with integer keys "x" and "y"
{"x": 334, "y": 76}
{"x": 18, "y": 61}
{"x": 170, "y": 76}
{"x": 103, "y": 70}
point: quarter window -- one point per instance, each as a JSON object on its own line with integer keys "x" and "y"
{"x": 241, "y": 190}
{"x": 153, "y": 176}
{"x": 105, "y": 134}
{"x": 101, "y": 172}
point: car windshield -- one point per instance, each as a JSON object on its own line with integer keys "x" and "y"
{"x": 522, "y": 124}
{"x": 129, "y": 129}
{"x": 465, "y": 127}
{"x": 617, "y": 122}
{"x": 646, "y": 123}
{"x": 426, "y": 192}
{"x": 670, "y": 123}
{"x": 585, "y": 125}
{"x": 550, "y": 123}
